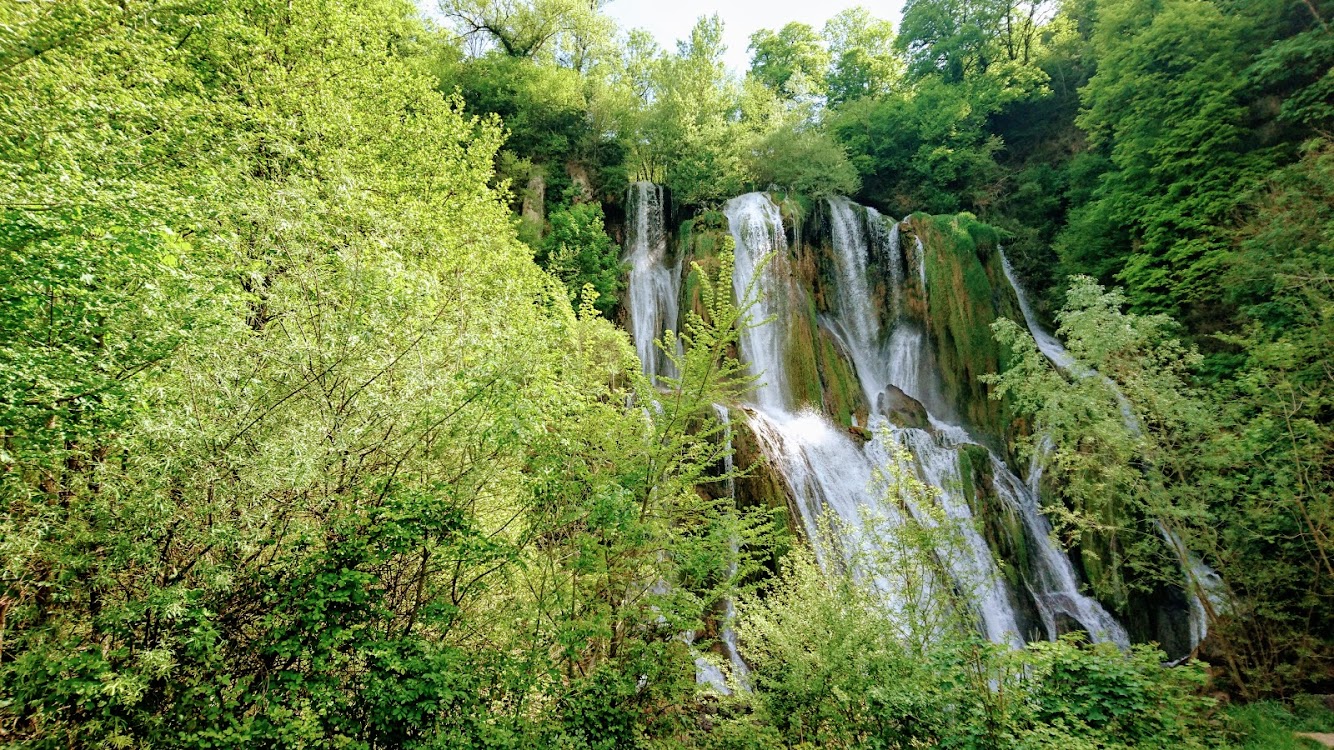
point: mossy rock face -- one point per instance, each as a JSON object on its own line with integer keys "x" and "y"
{"x": 816, "y": 238}
{"x": 960, "y": 308}
{"x": 1007, "y": 306}
{"x": 758, "y": 484}
{"x": 1004, "y": 532}
{"x": 801, "y": 359}
{"x": 844, "y": 400}
{"x": 698, "y": 242}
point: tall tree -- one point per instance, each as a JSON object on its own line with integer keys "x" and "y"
{"x": 529, "y": 28}
{"x": 792, "y": 61}
{"x": 1164, "y": 107}
{"x": 861, "y": 48}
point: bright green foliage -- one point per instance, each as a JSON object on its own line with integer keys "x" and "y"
{"x": 1124, "y": 424}
{"x": 836, "y": 665}
{"x": 803, "y": 161}
{"x": 922, "y": 149}
{"x": 961, "y": 39}
{"x": 1164, "y": 104}
{"x": 542, "y": 106}
{"x": 299, "y": 447}
{"x": 1302, "y": 67}
{"x": 791, "y": 61}
{"x": 697, "y": 132}
{"x": 863, "y": 60}
{"x": 562, "y": 29}
{"x": 685, "y": 108}
{"x": 1270, "y": 725}
{"x": 1280, "y": 527}
{"x": 578, "y": 252}
{"x": 950, "y": 37}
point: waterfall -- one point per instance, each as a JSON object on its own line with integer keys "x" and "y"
{"x": 1054, "y": 585}
{"x": 739, "y": 668}
{"x": 919, "y": 258}
{"x": 654, "y": 287}
{"x": 937, "y": 462}
{"x": 1050, "y": 347}
{"x": 1200, "y": 577}
{"x": 858, "y": 325}
{"x": 971, "y": 564}
{"x": 829, "y": 472}
{"x": 757, "y": 227}
{"x": 885, "y": 241}
{"x": 826, "y": 468}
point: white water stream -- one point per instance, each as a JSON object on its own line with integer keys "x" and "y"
{"x": 1201, "y": 579}
{"x": 653, "y": 298}
{"x": 825, "y": 466}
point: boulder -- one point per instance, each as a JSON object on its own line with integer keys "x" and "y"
{"x": 901, "y": 409}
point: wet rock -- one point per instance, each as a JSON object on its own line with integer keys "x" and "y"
{"x": 901, "y": 409}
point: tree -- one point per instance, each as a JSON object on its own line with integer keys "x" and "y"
{"x": 298, "y": 447}
{"x": 694, "y": 119}
{"x": 578, "y": 251}
{"x": 958, "y": 39}
{"x": 953, "y": 38}
{"x": 529, "y": 28}
{"x": 802, "y": 160}
{"x": 862, "y": 51}
{"x": 924, "y": 148}
{"x": 792, "y": 61}
{"x": 1164, "y": 108}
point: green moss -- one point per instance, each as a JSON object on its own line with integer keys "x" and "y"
{"x": 758, "y": 485}
{"x": 794, "y": 207}
{"x": 959, "y": 312}
{"x": 843, "y": 397}
{"x": 1102, "y": 563}
{"x": 699, "y": 240}
{"x": 1001, "y": 525}
{"x": 800, "y": 358}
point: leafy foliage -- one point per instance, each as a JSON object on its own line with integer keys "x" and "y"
{"x": 578, "y": 252}
{"x": 300, "y": 448}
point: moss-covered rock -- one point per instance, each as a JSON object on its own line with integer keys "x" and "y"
{"x": 758, "y": 484}
{"x": 960, "y": 308}
{"x": 844, "y": 400}
{"x": 698, "y": 241}
{"x": 802, "y": 357}
{"x": 903, "y": 410}
{"x": 1004, "y": 531}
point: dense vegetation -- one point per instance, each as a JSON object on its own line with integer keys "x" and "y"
{"x": 315, "y": 431}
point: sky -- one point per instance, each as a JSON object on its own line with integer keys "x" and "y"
{"x": 670, "y": 20}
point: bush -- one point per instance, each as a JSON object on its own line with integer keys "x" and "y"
{"x": 803, "y": 161}
{"x": 578, "y": 251}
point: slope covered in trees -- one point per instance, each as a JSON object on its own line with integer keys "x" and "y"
{"x": 317, "y": 428}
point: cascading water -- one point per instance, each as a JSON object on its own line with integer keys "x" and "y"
{"x": 739, "y": 668}
{"x": 824, "y": 466}
{"x": 1050, "y": 347}
{"x": 919, "y": 258}
{"x": 757, "y": 227}
{"x": 654, "y": 287}
{"x": 859, "y": 330}
{"x": 1053, "y": 584}
{"x": 1201, "y": 578}
{"x": 973, "y": 568}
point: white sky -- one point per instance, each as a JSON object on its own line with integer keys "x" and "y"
{"x": 670, "y": 20}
